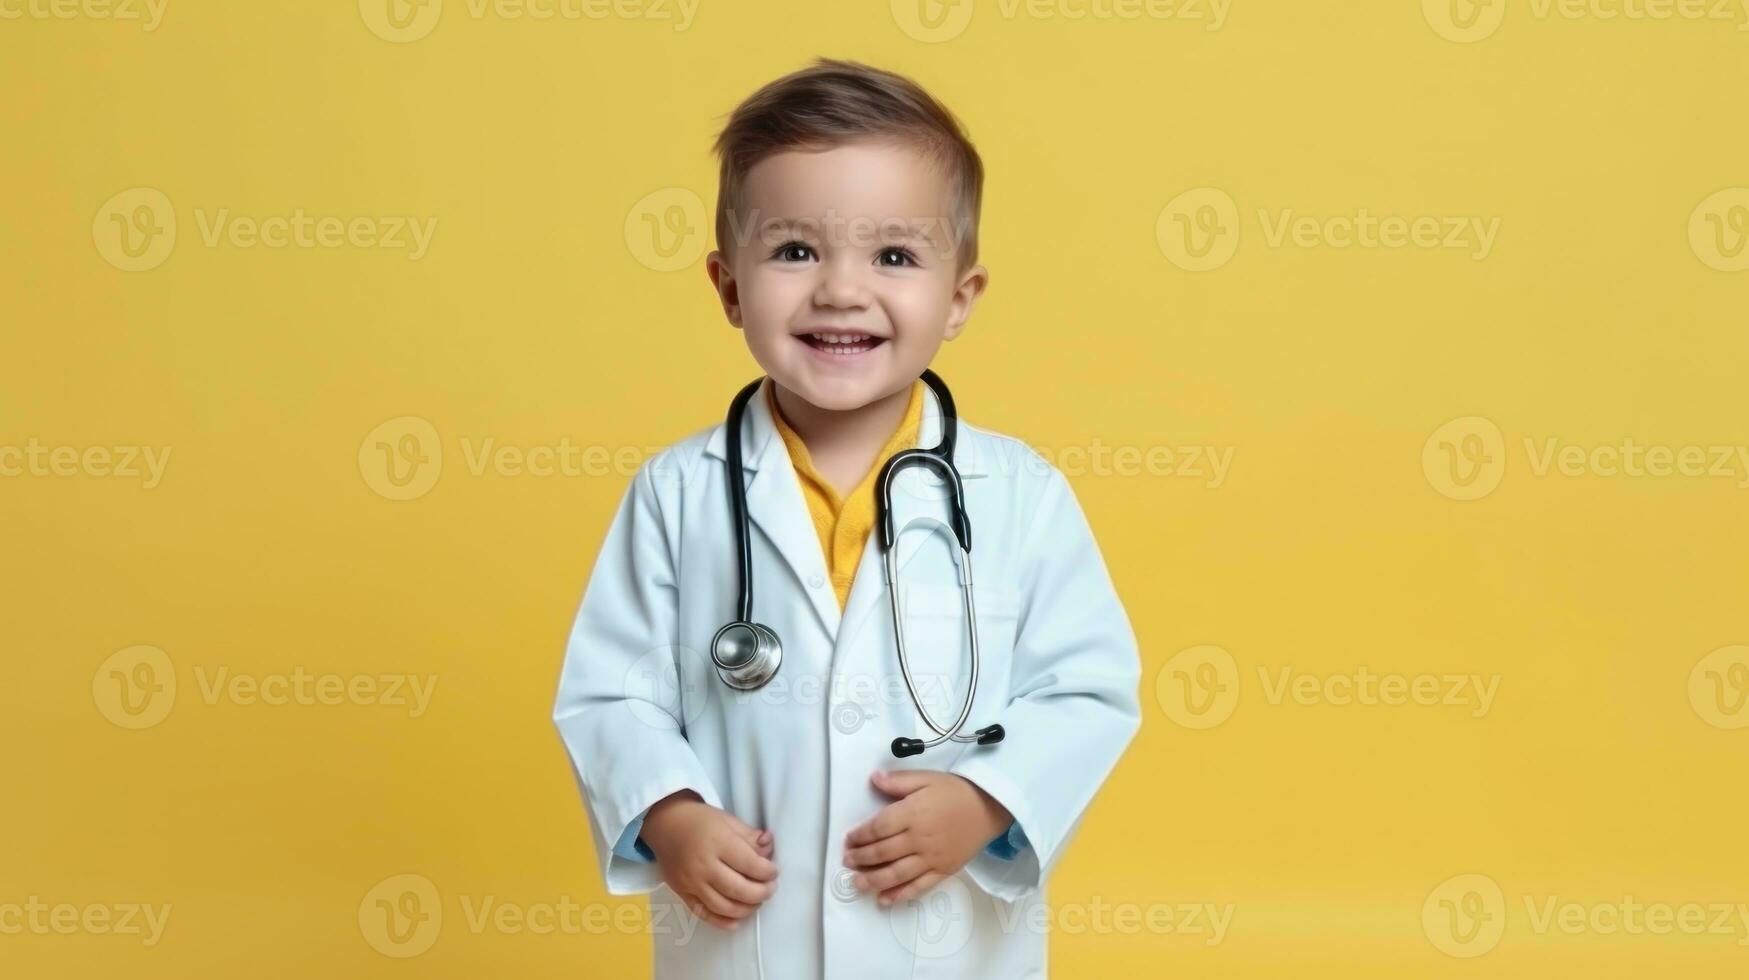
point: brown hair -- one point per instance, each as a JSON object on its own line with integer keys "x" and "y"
{"x": 831, "y": 103}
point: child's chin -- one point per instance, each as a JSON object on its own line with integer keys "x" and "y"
{"x": 841, "y": 393}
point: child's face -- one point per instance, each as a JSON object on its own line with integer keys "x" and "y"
{"x": 854, "y": 240}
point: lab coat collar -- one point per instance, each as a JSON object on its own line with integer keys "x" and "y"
{"x": 775, "y": 504}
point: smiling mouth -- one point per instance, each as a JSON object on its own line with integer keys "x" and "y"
{"x": 841, "y": 344}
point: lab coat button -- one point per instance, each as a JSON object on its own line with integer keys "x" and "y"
{"x": 816, "y": 581}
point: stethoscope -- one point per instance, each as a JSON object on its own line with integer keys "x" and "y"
{"x": 748, "y": 654}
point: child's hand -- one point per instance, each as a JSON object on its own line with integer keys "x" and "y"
{"x": 720, "y": 867}
{"x": 940, "y": 822}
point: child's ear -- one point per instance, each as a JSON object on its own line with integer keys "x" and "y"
{"x": 716, "y": 265}
{"x": 965, "y": 296}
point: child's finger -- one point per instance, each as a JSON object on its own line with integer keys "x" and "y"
{"x": 891, "y": 820}
{"x": 750, "y": 834}
{"x": 737, "y": 887}
{"x": 697, "y": 908}
{"x": 766, "y": 845}
{"x": 917, "y": 886}
{"x": 902, "y": 782}
{"x": 716, "y": 902}
{"x": 750, "y": 863}
{"x": 881, "y": 851}
{"x": 889, "y": 876}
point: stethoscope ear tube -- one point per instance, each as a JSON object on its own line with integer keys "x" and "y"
{"x": 746, "y": 654}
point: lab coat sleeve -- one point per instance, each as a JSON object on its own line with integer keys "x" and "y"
{"x": 631, "y": 846}
{"x": 625, "y": 740}
{"x": 1009, "y": 845}
{"x": 1073, "y": 700}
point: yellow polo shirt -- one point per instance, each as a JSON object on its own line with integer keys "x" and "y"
{"x": 844, "y": 523}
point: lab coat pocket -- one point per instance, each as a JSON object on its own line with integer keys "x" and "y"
{"x": 936, "y": 641}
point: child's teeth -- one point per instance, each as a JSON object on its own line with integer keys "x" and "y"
{"x": 843, "y": 343}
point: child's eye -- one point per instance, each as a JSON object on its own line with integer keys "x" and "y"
{"x": 792, "y": 252}
{"x": 900, "y": 257}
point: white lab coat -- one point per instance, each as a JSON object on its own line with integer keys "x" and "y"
{"x": 643, "y": 714}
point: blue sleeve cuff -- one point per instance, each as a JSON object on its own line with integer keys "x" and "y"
{"x": 1009, "y": 844}
{"x": 630, "y": 846}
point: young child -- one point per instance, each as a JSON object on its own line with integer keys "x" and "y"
{"x": 779, "y": 815}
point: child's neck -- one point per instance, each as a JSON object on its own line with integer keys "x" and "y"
{"x": 843, "y": 444}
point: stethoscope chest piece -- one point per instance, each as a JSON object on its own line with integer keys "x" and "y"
{"x": 746, "y": 655}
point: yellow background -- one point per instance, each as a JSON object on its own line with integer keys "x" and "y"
{"x": 536, "y": 316}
